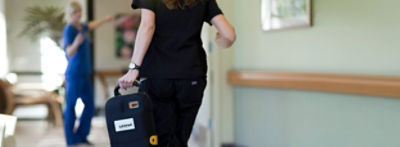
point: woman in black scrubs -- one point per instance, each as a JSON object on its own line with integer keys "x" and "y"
{"x": 169, "y": 54}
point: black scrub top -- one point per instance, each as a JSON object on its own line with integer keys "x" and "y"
{"x": 176, "y": 50}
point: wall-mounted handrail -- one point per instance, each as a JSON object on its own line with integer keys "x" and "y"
{"x": 376, "y": 85}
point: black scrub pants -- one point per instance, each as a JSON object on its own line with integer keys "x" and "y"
{"x": 176, "y": 103}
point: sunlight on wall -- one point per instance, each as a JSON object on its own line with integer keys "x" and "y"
{"x": 3, "y": 43}
{"x": 53, "y": 66}
{"x": 53, "y": 63}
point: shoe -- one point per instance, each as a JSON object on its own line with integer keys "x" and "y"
{"x": 87, "y": 143}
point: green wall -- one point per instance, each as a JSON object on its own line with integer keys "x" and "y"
{"x": 348, "y": 36}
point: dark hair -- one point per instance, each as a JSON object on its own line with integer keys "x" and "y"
{"x": 181, "y": 4}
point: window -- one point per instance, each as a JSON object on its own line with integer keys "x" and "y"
{"x": 3, "y": 42}
{"x": 53, "y": 63}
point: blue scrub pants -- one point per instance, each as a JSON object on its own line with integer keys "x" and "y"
{"x": 78, "y": 86}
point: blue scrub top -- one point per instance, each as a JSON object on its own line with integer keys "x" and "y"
{"x": 80, "y": 62}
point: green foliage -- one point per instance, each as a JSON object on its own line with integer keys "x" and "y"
{"x": 44, "y": 21}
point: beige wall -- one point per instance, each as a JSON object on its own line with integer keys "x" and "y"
{"x": 105, "y": 58}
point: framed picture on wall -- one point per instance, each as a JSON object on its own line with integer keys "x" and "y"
{"x": 126, "y": 27}
{"x": 284, "y": 14}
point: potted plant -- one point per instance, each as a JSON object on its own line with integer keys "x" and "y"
{"x": 44, "y": 21}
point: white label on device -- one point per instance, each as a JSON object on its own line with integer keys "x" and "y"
{"x": 124, "y": 125}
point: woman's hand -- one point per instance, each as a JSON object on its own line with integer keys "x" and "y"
{"x": 109, "y": 18}
{"x": 218, "y": 36}
{"x": 127, "y": 80}
{"x": 94, "y": 24}
{"x": 79, "y": 39}
{"x": 226, "y": 35}
{"x": 71, "y": 49}
{"x": 222, "y": 42}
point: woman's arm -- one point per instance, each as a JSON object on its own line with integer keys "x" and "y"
{"x": 72, "y": 48}
{"x": 143, "y": 40}
{"x": 145, "y": 35}
{"x": 226, "y": 35}
{"x": 94, "y": 24}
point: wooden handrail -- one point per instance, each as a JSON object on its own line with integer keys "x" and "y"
{"x": 386, "y": 86}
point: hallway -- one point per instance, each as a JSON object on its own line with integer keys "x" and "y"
{"x": 38, "y": 133}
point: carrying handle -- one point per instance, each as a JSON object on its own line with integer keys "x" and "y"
{"x": 117, "y": 87}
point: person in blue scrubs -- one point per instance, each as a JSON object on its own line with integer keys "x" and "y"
{"x": 77, "y": 75}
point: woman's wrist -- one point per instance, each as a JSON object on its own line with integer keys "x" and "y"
{"x": 223, "y": 43}
{"x": 108, "y": 18}
{"x": 133, "y": 71}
